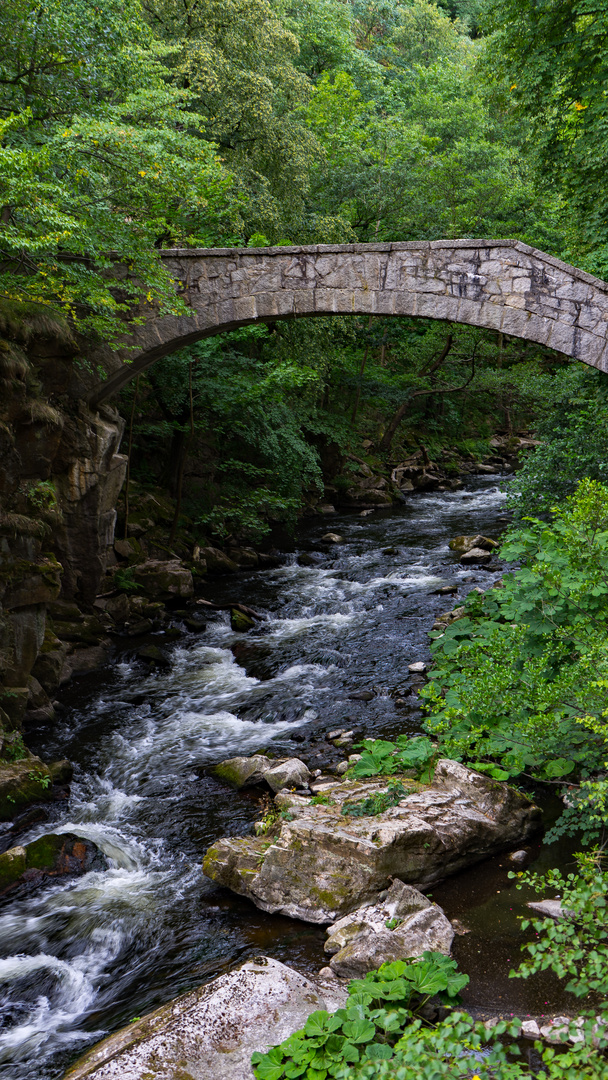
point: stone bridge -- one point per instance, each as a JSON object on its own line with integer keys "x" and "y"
{"x": 499, "y": 285}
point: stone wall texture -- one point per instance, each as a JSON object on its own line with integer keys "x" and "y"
{"x": 501, "y": 285}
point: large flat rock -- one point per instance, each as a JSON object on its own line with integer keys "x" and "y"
{"x": 211, "y": 1033}
{"x": 322, "y": 864}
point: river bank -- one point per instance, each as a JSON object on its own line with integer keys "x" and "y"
{"x": 84, "y": 957}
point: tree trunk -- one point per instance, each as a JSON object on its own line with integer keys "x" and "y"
{"x": 182, "y": 464}
{"x": 128, "y": 475}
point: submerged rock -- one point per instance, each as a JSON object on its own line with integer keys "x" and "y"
{"x": 53, "y": 855}
{"x": 154, "y": 656}
{"x": 403, "y": 925}
{"x": 211, "y": 1033}
{"x": 323, "y": 864}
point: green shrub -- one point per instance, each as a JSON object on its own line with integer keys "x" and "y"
{"x": 520, "y": 683}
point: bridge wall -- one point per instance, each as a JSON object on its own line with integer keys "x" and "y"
{"x": 496, "y": 284}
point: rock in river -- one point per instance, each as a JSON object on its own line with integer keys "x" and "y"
{"x": 323, "y": 864}
{"x": 53, "y": 855}
{"x": 278, "y": 773}
{"x": 403, "y": 925}
{"x": 165, "y": 579}
{"x": 211, "y": 1033}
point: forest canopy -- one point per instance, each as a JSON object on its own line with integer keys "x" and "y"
{"x": 129, "y": 125}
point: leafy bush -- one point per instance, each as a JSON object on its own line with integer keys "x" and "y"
{"x": 574, "y": 947}
{"x": 368, "y": 1027}
{"x": 573, "y": 433}
{"x": 520, "y": 682}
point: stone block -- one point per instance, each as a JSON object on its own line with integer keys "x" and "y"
{"x": 562, "y": 338}
{"x": 303, "y": 302}
{"x": 266, "y": 305}
{"x": 436, "y": 307}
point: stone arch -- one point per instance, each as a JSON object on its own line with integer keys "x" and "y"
{"x": 495, "y": 284}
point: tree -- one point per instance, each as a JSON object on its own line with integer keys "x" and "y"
{"x": 237, "y": 60}
{"x": 548, "y": 62}
{"x": 101, "y": 162}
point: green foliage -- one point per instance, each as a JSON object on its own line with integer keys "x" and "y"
{"x": 125, "y": 581}
{"x": 574, "y": 947}
{"x": 378, "y": 802}
{"x": 97, "y": 165}
{"x": 520, "y": 682}
{"x": 547, "y": 60}
{"x": 40, "y": 777}
{"x": 382, "y": 758}
{"x": 238, "y": 60}
{"x": 377, "y": 1011}
{"x": 12, "y": 747}
{"x": 573, "y": 428}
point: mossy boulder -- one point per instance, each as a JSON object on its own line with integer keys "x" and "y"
{"x": 86, "y": 630}
{"x": 27, "y": 583}
{"x": 53, "y": 855}
{"x": 402, "y": 925}
{"x": 23, "y": 783}
{"x": 240, "y": 622}
{"x": 277, "y": 773}
{"x": 463, "y": 544}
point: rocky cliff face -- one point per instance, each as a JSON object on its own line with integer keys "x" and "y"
{"x": 60, "y": 477}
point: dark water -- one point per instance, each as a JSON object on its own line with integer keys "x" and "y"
{"x": 83, "y": 957}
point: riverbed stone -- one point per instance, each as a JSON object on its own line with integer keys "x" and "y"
{"x": 463, "y": 544}
{"x": 291, "y": 773}
{"x": 551, "y": 909}
{"x": 322, "y": 865}
{"x": 169, "y": 578}
{"x": 50, "y": 856}
{"x": 242, "y": 772}
{"x": 404, "y": 925}
{"x": 278, "y": 773}
{"x": 211, "y": 1033}
{"x": 476, "y": 557}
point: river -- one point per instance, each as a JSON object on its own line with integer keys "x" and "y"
{"x": 80, "y": 958}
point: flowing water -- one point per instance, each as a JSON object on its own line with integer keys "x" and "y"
{"x": 82, "y": 957}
